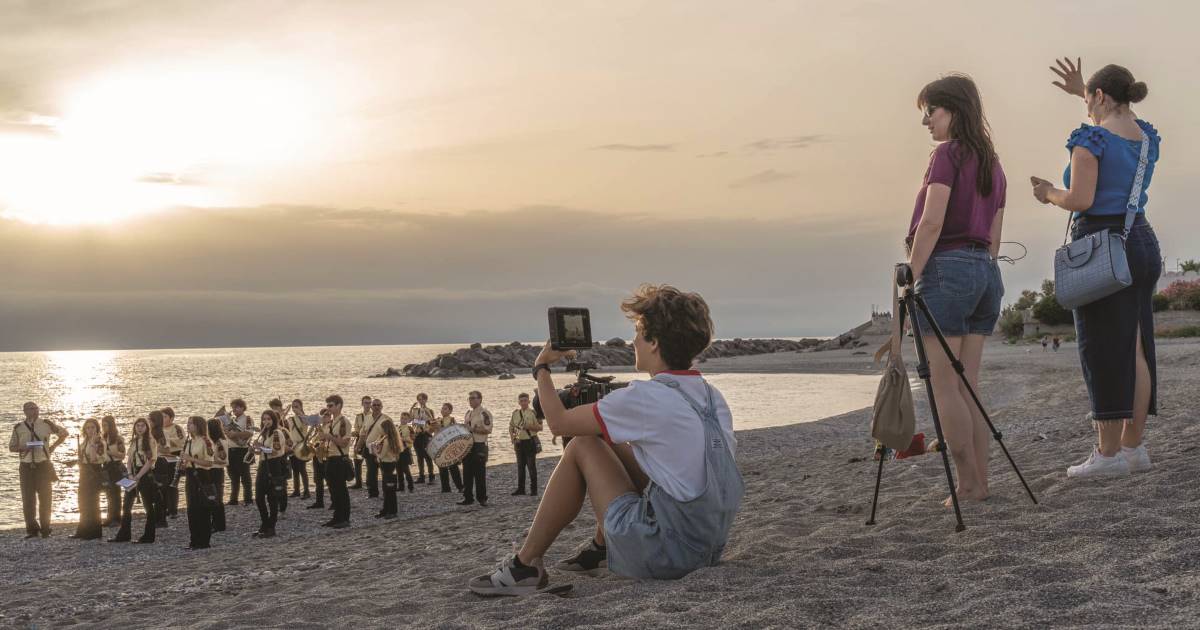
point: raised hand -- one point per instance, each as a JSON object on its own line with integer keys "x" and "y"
{"x": 1041, "y": 189}
{"x": 1071, "y": 75}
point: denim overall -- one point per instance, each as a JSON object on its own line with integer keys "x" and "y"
{"x": 656, "y": 536}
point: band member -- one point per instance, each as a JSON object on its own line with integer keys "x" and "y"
{"x": 114, "y": 446}
{"x": 336, "y": 435}
{"x": 403, "y": 466}
{"x": 422, "y": 416}
{"x": 271, "y": 446}
{"x": 36, "y": 472}
{"x": 359, "y": 420}
{"x": 143, "y": 453}
{"x": 277, "y": 406}
{"x": 523, "y": 429}
{"x": 240, "y": 430}
{"x": 388, "y": 448}
{"x": 478, "y": 421}
{"x": 92, "y": 456}
{"x": 216, "y": 474}
{"x": 448, "y": 472}
{"x": 298, "y": 431}
{"x": 320, "y": 455}
{"x": 170, "y": 438}
{"x": 198, "y": 459}
{"x": 369, "y": 433}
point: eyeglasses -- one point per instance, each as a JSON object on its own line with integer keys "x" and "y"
{"x": 330, "y": 405}
{"x": 930, "y": 110}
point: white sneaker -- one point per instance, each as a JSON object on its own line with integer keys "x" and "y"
{"x": 1098, "y": 465}
{"x": 1138, "y": 458}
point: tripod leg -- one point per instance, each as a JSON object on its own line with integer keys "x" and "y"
{"x": 880, "y": 450}
{"x": 924, "y": 374}
{"x": 962, "y": 375}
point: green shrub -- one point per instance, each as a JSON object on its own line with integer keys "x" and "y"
{"x": 1189, "y": 265}
{"x": 1012, "y": 323}
{"x": 1050, "y": 312}
{"x": 1176, "y": 333}
{"x": 1161, "y": 302}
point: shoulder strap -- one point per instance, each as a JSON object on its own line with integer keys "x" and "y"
{"x": 708, "y": 413}
{"x": 892, "y": 346}
{"x": 1135, "y": 194}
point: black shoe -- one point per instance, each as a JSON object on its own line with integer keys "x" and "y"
{"x": 518, "y": 493}
{"x": 295, "y": 494}
{"x": 118, "y": 539}
{"x": 33, "y": 535}
{"x": 533, "y": 494}
{"x": 356, "y": 487}
{"x": 388, "y": 517}
{"x": 410, "y": 489}
{"x": 421, "y": 480}
{"x": 316, "y": 506}
{"x": 340, "y": 525}
{"x": 232, "y": 503}
{"x": 45, "y": 534}
{"x": 330, "y": 506}
{"x": 172, "y": 514}
{"x": 75, "y": 536}
{"x": 328, "y": 523}
{"x": 305, "y": 495}
{"x": 482, "y": 503}
{"x": 466, "y": 502}
{"x": 143, "y": 541}
{"x": 588, "y": 559}
{"x": 244, "y": 504}
{"x": 270, "y": 533}
{"x": 379, "y": 515}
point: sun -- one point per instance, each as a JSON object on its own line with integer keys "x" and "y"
{"x": 140, "y": 140}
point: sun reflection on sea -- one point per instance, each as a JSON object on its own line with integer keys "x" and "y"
{"x": 80, "y": 381}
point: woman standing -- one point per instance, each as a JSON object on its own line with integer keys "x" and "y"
{"x": 271, "y": 446}
{"x": 1112, "y": 163}
{"x": 297, "y": 432}
{"x": 143, "y": 452}
{"x": 115, "y": 450}
{"x": 197, "y": 455}
{"x": 387, "y": 448}
{"x": 92, "y": 455}
{"x": 953, "y": 242}
{"x": 216, "y": 474}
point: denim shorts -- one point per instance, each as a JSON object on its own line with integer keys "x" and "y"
{"x": 963, "y": 289}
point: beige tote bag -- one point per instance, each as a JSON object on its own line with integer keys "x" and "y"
{"x": 893, "y": 420}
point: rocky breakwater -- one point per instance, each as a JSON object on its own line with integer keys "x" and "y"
{"x": 482, "y": 361}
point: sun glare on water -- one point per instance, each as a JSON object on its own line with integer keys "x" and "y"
{"x": 138, "y": 141}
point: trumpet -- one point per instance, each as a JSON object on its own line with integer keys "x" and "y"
{"x": 179, "y": 466}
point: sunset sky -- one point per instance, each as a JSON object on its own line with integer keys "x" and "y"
{"x": 177, "y": 174}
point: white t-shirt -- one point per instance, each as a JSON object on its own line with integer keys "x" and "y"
{"x": 665, "y": 432}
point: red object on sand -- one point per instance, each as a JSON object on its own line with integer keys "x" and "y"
{"x": 916, "y": 447}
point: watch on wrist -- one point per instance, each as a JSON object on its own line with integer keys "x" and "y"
{"x": 539, "y": 367}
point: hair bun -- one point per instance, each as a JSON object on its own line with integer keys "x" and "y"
{"x": 1137, "y": 92}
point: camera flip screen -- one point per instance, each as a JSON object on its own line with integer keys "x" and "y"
{"x": 570, "y": 328}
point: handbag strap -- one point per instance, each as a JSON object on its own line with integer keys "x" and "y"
{"x": 1135, "y": 193}
{"x": 892, "y": 345}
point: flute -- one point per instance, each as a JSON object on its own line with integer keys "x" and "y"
{"x": 179, "y": 466}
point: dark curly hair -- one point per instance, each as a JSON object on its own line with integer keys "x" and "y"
{"x": 678, "y": 321}
{"x": 1117, "y": 83}
{"x": 957, "y": 94}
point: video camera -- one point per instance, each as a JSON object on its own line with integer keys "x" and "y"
{"x": 586, "y": 389}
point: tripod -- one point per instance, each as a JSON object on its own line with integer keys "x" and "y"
{"x": 906, "y": 304}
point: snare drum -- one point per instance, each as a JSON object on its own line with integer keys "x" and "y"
{"x": 451, "y": 445}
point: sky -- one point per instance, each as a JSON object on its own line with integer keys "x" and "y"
{"x": 183, "y": 174}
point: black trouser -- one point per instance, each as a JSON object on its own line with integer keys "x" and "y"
{"x": 217, "y": 477}
{"x": 168, "y": 495}
{"x": 526, "y": 460}
{"x": 451, "y": 471}
{"x": 266, "y": 491}
{"x": 372, "y": 474}
{"x": 299, "y": 471}
{"x": 421, "y": 442}
{"x": 112, "y": 496}
{"x": 358, "y": 473}
{"x": 239, "y": 475}
{"x": 150, "y": 496}
{"x": 36, "y": 495}
{"x": 404, "y": 475}
{"x": 89, "y": 502}
{"x": 319, "y": 468}
{"x": 475, "y": 473}
{"x": 199, "y": 514}
{"x": 337, "y": 475}
{"x": 389, "y": 487}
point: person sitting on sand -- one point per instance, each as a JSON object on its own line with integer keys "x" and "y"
{"x": 656, "y": 459}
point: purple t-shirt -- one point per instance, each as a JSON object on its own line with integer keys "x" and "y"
{"x": 969, "y": 216}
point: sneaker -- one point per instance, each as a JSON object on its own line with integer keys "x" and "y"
{"x": 1138, "y": 458}
{"x": 1097, "y": 465}
{"x": 589, "y": 559}
{"x": 511, "y": 578}
{"x": 518, "y": 493}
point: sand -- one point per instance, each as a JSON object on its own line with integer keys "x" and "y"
{"x": 1118, "y": 553}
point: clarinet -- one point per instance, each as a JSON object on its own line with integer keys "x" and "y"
{"x": 179, "y": 466}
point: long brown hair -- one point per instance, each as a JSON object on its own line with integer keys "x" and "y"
{"x": 141, "y": 442}
{"x": 156, "y": 427}
{"x": 957, "y": 94}
{"x": 389, "y": 431}
{"x": 274, "y": 415}
{"x": 109, "y": 429}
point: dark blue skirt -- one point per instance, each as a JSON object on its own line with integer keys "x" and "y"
{"x": 1107, "y": 329}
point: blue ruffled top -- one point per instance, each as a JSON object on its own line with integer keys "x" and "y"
{"x": 1118, "y": 166}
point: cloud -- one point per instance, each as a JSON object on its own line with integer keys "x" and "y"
{"x": 175, "y": 179}
{"x": 717, "y": 154}
{"x": 784, "y": 143}
{"x": 637, "y": 148}
{"x": 294, "y": 275}
{"x": 28, "y": 123}
{"x": 763, "y": 178}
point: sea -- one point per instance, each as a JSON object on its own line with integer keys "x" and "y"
{"x": 71, "y": 386}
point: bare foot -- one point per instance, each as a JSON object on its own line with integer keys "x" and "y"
{"x": 968, "y": 494}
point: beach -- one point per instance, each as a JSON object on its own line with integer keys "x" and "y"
{"x": 1115, "y": 553}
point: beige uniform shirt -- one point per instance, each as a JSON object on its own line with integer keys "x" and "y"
{"x": 116, "y": 450}
{"x": 277, "y": 442}
{"x": 203, "y": 451}
{"x": 373, "y": 428}
{"x": 176, "y": 436}
{"x": 89, "y": 454}
{"x": 479, "y": 419}
{"x": 524, "y": 424}
{"x": 406, "y": 434}
{"x": 42, "y": 430}
{"x": 137, "y": 457}
{"x": 386, "y": 452}
{"x": 296, "y": 431}
{"x": 339, "y": 427}
{"x": 241, "y": 423}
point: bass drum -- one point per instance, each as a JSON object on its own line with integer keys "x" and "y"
{"x": 451, "y": 445}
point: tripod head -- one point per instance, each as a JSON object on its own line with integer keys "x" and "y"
{"x": 904, "y": 275}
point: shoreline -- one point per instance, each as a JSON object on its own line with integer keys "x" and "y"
{"x": 1091, "y": 553}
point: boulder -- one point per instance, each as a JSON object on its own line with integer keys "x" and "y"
{"x": 615, "y": 342}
